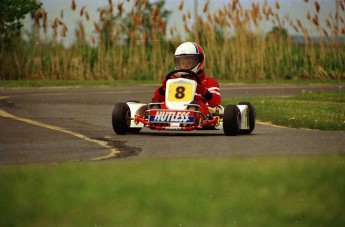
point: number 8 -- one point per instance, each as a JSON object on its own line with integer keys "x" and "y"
{"x": 180, "y": 92}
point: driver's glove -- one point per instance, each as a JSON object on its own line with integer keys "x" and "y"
{"x": 202, "y": 90}
{"x": 163, "y": 87}
{"x": 164, "y": 83}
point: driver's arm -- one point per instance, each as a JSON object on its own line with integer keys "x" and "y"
{"x": 213, "y": 96}
{"x": 159, "y": 94}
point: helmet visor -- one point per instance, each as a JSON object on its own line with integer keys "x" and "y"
{"x": 186, "y": 61}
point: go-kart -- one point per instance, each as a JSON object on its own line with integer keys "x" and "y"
{"x": 180, "y": 113}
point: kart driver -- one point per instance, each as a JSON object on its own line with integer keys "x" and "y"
{"x": 190, "y": 55}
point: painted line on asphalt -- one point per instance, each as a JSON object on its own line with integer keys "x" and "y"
{"x": 269, "y": 124}
{"x": 284, "y": 127}
{"x": 113, "y": 151}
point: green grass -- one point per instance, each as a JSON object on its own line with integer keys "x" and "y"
{"x": 325, "y": 111}
{"x": 276, "y": 191}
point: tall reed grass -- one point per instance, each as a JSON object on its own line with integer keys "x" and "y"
{"x": 141, "y": 49}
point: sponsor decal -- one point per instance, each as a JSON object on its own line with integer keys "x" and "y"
{"x": 163, "y": 116}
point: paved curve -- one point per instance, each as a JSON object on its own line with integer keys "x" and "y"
{"x": 72, "y": 124}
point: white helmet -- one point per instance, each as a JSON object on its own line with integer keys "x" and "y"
{"x": 190, "y": 56}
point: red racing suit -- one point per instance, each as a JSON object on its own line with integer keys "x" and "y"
{"x": 211, "y": 96}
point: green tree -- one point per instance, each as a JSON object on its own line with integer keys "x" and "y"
{"x": 11, "y": 14}
{"x": 278, "y": 32}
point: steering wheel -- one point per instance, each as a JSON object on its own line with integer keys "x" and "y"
{"x": 189, "y": 74}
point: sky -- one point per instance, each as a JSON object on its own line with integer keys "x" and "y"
{"x": 294, "y": 8}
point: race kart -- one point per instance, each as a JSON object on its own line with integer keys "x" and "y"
{"x": 179, "y": 113}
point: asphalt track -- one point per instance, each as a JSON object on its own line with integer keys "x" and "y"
{"x": 52, "y": 125}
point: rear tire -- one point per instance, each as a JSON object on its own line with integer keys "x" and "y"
{"x": 231, "y": 120}
{"x": 252, "y": 116}
{"x": 121, "y": 118}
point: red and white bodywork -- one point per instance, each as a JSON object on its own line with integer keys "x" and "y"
{"x": 179, "y": 113}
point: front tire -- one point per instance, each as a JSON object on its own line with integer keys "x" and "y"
{"x": 121, "y": 118}
{"x": 231, "y": 120}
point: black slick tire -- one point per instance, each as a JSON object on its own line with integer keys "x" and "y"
{"x": 231, "y": 120}
{"x": 121, "y": 118}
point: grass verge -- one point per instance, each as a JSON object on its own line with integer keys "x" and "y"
{"x": 277, "y": 191}
{"x": 324, "y": 111}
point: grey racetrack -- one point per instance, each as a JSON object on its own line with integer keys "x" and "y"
{"x": 49, "y": 125}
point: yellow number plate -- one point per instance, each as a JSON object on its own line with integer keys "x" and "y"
{"x": 180, "y": 92}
